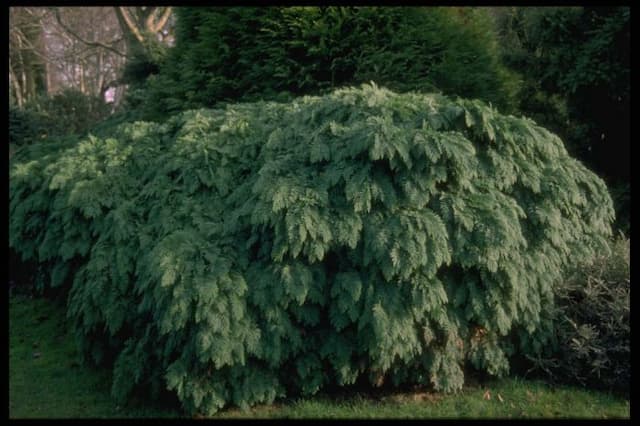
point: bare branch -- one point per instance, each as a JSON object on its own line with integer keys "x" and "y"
{"x": 163, "y": 20}
{"x": 151, "y": 16}
{"x": 82, "y": 40}
{"x": 33, "y": 14}
{"x": 25, "y": 43}
{"x": 130, "y": 23}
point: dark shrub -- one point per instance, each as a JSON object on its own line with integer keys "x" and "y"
{"x": 273, "y": 53}
{"x": 26, "y": 126}
{"x": 592, "y": 324}
{"x": 66, "y": 113}
{"x": 70, "y": 112}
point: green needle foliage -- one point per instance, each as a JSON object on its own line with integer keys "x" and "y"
{"x": 266, "y": 249}
{"x": 273, "y": 53}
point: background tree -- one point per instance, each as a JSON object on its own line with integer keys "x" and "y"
{"x": 83, "y": 48}
{"x": 145, "y": 32}
{"x": 575, "y": 67}
{"x": 67, "y": 63}
{"x": 279, "y": 52}
{"x": 27, "y": 70}
{"x": 89, "y": 58}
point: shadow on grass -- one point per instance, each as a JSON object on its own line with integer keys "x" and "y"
{"x": 47, "y": 380}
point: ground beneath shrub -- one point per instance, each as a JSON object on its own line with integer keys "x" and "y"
{"x": 46, "y": 380}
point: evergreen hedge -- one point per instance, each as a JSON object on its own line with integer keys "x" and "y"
{"x": 273, "y": 53}
{"x": 267, "y": 249}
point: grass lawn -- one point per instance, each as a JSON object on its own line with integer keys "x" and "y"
{"x": 46, "y": 380}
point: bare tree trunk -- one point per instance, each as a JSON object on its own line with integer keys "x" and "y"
{"x": 132, "y": 37}
{"x": 100, "y": 83}
{"x": 25, "y": 43}
{"x": 119, "y": 95}
{"x": 85, "y": 48}
{"x": 16, "y": 87}
{"x": 25, "y": 89}
{"x": 137, "y": 25}
{"x": 48, "y": 75}
{"x": 22, "y": 82}
{"x": 82, "y": 88}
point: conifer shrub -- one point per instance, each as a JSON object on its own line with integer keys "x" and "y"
{"x": 235, "y": 54}
{"x": 237, "y": 255}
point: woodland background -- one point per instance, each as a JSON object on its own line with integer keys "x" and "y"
{"x": 566, "y": 67}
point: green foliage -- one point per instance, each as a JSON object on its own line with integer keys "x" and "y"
{"x": 592, "y": 324}
{"x": 144, "y": 61}
{"x": 65, "y": 113}
{"x": 267, "y": 249}
{"x": 26, "y": 126}
{"x": 274, "y": 53}
{"x": 575, "y": 63}
{"x": 72, "y": 112}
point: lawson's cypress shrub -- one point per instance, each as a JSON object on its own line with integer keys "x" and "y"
{"x": 237, "y": 255}
{"x": 273, "y": 53}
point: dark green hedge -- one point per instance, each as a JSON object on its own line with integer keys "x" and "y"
{"x": 273, "y": 53}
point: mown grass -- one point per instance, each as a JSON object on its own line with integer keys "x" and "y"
{"x": 504, "y": 399}
{"x": 46, "y": 380}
